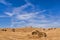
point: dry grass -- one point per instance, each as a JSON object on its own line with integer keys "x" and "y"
{"x": 30, "y": 34}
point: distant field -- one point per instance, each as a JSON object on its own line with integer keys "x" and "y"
{"x": 30, "y": 34}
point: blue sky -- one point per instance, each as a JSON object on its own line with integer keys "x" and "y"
{"x": 36, "y": 13}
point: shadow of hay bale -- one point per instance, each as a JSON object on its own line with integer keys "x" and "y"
{"x": 38, "y": 34}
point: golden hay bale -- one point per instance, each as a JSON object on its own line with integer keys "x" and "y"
{"x": 44, "y": 29}
{"x": 54, "y": 28}
{"x": 51, "y": 28}
{"x": 13, "y": 30}
{"x": 39, "y": 34}
{"x": 3, "y": 30}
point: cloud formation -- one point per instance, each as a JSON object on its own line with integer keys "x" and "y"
{"x": 5, "y": 3}
{"x": 34, "y": 17}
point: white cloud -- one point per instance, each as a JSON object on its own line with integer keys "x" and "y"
{"x": 18, "y": 10}
{"x": 21, "y": 8}
{"x": 28, "y": 17}
{"x": 31, "y": 21}
{"x": 3, "y": 16}
{"x": 24, "y": 16}
{"x": 35, "y": 18}
{"x": 40, "y": 22}
{"x": 9, "y": 14}
{"x": 5, "y": 3}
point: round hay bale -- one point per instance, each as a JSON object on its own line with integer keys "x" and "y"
{"x": 13, "y": 30}
{"x": 44, "y": 29}
{"x": 4, "y": 30}
{"x": 42, "y": 34}
{"x": 39, "y": 34}
{"x": 35, "y": 32}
